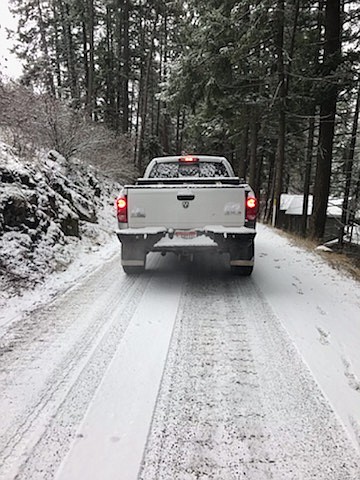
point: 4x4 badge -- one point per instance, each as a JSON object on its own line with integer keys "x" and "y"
{"x": 185, "y": 204}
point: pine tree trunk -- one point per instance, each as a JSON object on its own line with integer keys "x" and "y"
{"x": 144, "y": 103}
{"x": 254, "y": 129}
{"x": 243, "y": 153}
{"x": 126, "y": 68}
{"x": 345, "y": 215}
{"x": 177, "y": 132}
{"x": 85, "y": 58}
{"x": 57, "y": 49}
{"x": 166, "y": 118}
{"x": 259, "y": 172}
{"x": 280, "y": 153}
{"x": 111, "y": 112}
{"x": 131, "y": 107}
{"x": 332, "y": 52}
{"x": 269, "y": 201}
{"x": 118, "y": 67}
{"x": 70, "y": 53}
{"x": 140, "y": 88}
{"x": 91, "y": 70}
{"x": 49, "y": 81}
{"x": 308, "y": 168}
{"x": 311, "y": 132}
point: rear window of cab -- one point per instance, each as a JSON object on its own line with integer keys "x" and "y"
{"x": 176, "y": 170}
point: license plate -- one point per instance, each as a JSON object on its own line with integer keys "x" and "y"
{"x": 187, "y": 234}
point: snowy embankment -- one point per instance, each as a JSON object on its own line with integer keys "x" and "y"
{"x": 54, "y": 216}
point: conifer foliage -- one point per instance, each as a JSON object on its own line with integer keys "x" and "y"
{"x": 272, "y": 85}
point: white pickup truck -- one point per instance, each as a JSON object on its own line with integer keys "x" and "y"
{"x": 187, "y": 204}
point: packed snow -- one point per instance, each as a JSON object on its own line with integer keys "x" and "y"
{"x": 320, "y": 308}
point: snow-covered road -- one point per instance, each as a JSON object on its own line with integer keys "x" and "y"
{"x": 187, "y": 372}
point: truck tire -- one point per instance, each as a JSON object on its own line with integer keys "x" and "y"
{"x": 245, "y": 271}
{"x": 133, "y": 270}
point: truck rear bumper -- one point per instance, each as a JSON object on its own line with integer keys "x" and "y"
{"x": 225, "y": 231}
{"x": 236, "y": 241}
{"x": 207, "y": 230}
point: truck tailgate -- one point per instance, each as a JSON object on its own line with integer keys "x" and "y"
{"x": 186, "y": 207}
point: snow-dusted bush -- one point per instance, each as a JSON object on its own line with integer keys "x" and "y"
{"x": 29, "y": 121}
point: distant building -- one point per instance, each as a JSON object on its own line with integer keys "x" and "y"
{"x": 291, "y": 207}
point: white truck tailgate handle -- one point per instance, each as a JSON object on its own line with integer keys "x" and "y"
{"x": 182, "y": 196}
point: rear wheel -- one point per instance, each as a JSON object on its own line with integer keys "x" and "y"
{"x": 133, "y": 270}
{"x": 243, "y": 271}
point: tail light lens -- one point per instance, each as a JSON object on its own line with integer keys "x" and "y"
{"x": 251, "y": 207}
{"x": 121, "y": 207}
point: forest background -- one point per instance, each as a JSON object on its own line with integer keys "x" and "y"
{"x": 272, "y": 85}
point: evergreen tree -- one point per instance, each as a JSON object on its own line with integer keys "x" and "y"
{"x": 254, "y": 80}
{"x": 331, "y": 61}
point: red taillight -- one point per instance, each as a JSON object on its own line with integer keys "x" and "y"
{"x": 121, "y": 203}
{"x": 251, "y": 208}
{"x": 188, "y": 159}
{"x": 121, "y": 207}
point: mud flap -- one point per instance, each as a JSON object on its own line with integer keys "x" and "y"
{"x": 242, "y": 255}
{"x": 240, "y": 248}
{"x": 134, "y": 248}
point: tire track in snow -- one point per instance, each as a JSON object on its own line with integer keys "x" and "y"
{"x": 237, "y": 401}
{"x": 114, "y": 430}
{"x": 209, "y": 418}
{"x": 84, "y": 331}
